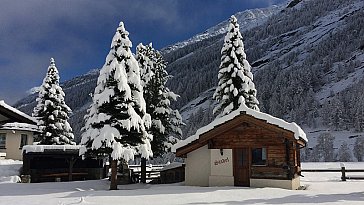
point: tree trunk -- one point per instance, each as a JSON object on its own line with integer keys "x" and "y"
{"x": 143, "y": 173}
{"x": 114, "y": 176}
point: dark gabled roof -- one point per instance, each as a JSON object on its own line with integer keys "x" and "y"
{"x": 15, "y": 115}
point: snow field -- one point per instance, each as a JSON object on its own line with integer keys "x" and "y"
{"x": 321, "y": 188}
{"x": 95, "y": 192}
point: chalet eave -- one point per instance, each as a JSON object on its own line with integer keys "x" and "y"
{"x": 13, "y": 117}
{"x": 241, "y": 120}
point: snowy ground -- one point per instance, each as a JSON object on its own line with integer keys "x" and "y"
{"x": 9, "y": 169}
{"x": 322, "y": 188}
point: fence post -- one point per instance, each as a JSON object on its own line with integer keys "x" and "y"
{"x": 343, "y": 177}
{"x": 143, "y": 170}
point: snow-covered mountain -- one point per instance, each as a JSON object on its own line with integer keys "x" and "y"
{"x": 285, "y": 42}
{"x": 247, "y": 19}
{"x": 308, "y": 65}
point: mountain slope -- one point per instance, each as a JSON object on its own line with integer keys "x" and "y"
{"x": 247, "y": 19}
{"x": 77, "y": 90}
{"x": 308, "y": 65}
{"x": 296, "y": 52}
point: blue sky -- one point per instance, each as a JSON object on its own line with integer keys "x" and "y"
{"x": 78, "y": 33}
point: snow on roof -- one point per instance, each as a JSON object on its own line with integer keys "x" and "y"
{"x": 41, "y": 148}
{"x": 8, "y": 107}
{"x": 298, "y": 132}
{"x": 19, "y": 126}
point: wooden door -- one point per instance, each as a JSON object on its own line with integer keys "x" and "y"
{"x": 241, "y": 167}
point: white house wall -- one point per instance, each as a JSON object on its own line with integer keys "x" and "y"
{"x": 198, "y": 168}
{"x": 221, "y": 168}
{"x": 13, "y": 150}
{"x": 208, "y": 167}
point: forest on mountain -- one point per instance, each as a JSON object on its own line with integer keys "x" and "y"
{"x": 290, "y": 73}
{"x": 307, "y": 61}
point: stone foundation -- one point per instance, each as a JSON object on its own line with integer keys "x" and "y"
{"x": 278, "y": 183}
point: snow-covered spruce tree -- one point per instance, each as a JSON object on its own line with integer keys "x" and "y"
{"x": 166, "y": 122}
{"x": 344, "y": 153}
{"x": 235, "y": 77}
{"x": 116, "y": 121}
{"x": 358, "y": 149}
{"x": 325, "y": 147}
{"x": 89, "y": 132}
{"x": 52, "y": 112}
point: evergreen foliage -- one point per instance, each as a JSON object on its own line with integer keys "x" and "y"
{"x": 197, "y": 120}
{"x": 344, "y": 154}
{"x": 325, "y": 147}
{"x": 306, "y": 154}
{"x": 166, "y": 122}
{"x": 358, "y": 149}
{"x": 291, "y": 73}
{"x": 235, "y": 77}
{"x": 52, "y": 112}
{"x": 117, "y": 120}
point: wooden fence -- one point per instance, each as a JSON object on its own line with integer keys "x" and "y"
{"x": 343, "y": 172}
{"x": 152, "y": 173}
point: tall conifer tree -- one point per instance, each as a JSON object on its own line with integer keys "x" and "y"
{"x": 117, "y": 118}
{"x": 52, "y": 111}
{"x": 166, "y": 122}
{"x": 235, "y": 84}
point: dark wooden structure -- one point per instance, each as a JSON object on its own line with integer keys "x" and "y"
{"x": 60, "y": 165}
{"x": 260, "y": 150}
{"x": 173, "y": 174}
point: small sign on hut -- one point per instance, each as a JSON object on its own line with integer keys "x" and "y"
{"x": 244, "y": 148}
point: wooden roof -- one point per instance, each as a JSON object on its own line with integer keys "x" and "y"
{"x": 234, "y": 123}
{"x": 14, "y": 115}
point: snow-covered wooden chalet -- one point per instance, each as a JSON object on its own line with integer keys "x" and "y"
{"x": 16, "y": 130}
{"x": 244, "y": 148}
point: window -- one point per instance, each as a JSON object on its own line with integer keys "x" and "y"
{"x": 259, "y": 156}
{"x": 23, "y": 140}
{"x": 2, "y": 140}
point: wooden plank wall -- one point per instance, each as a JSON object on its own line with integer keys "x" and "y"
{"x": 250, "y": 136}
